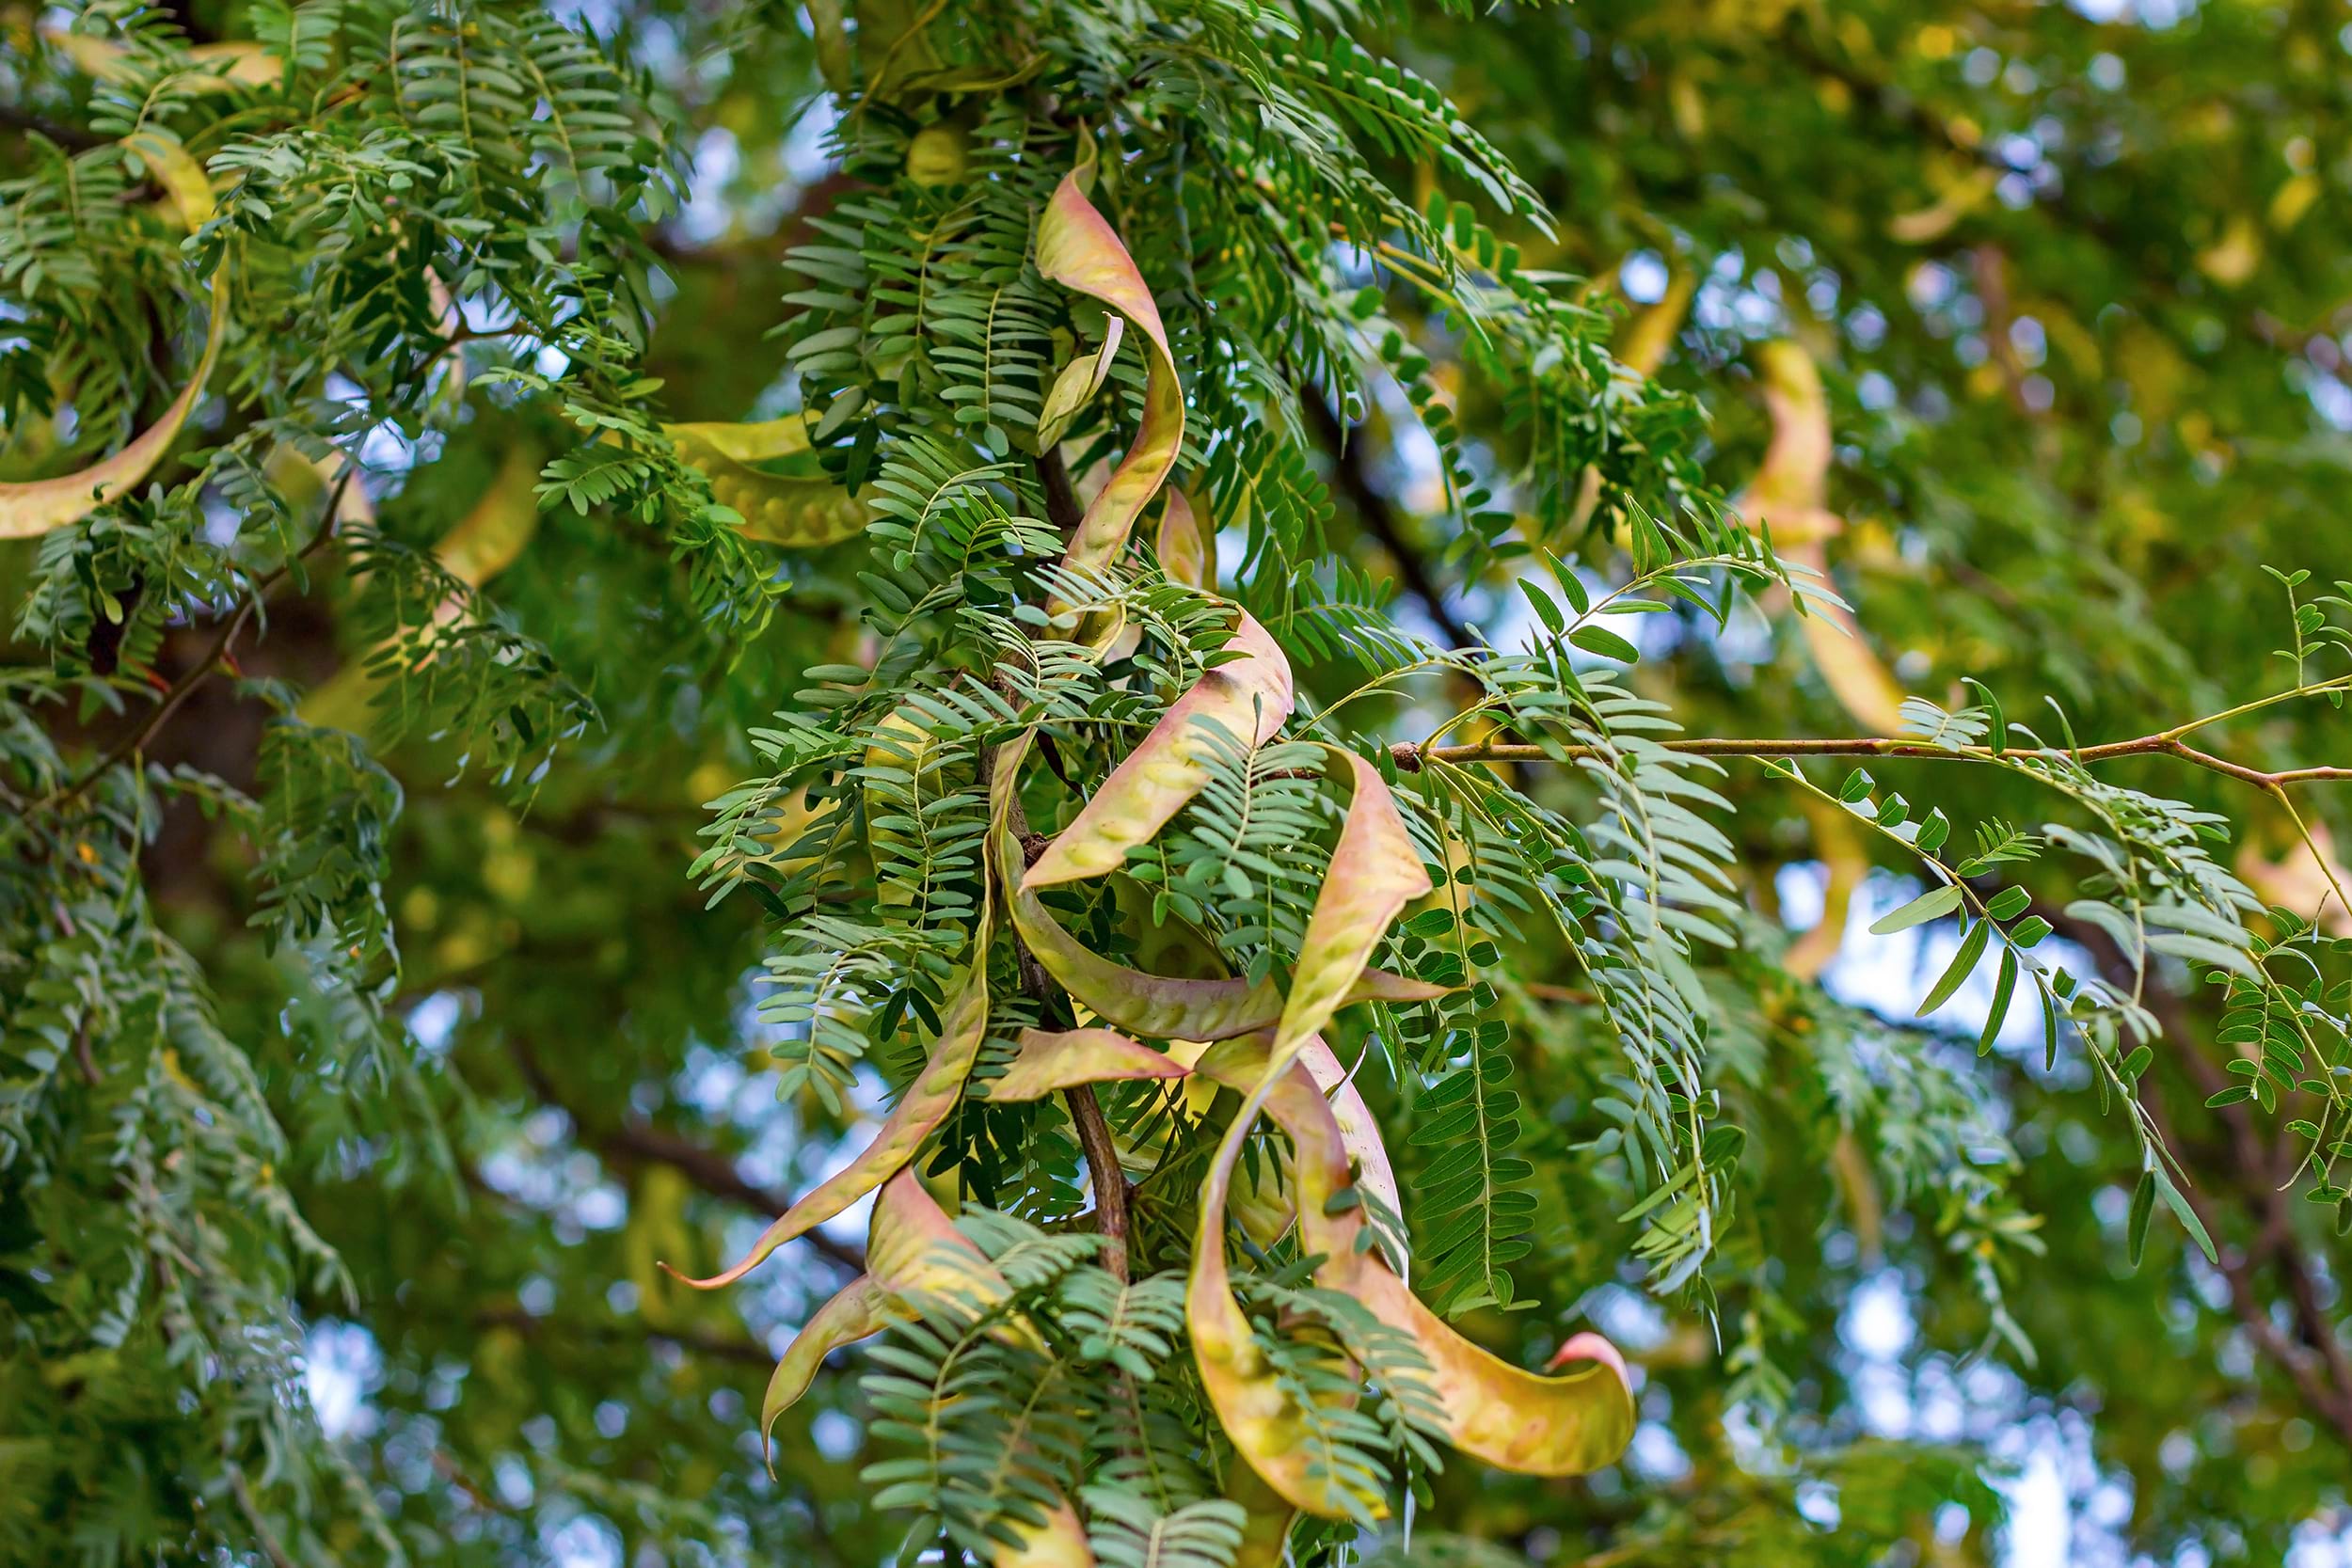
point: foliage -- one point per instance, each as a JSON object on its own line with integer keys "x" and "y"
{"x": 628, "y": 612}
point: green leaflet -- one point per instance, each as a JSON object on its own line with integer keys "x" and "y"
{"x": 777, "y": 509}
{"x": 1250, "y": 696}
{"x": 1077, "y": 249}
{"x": 1932, "y": 905}
{"x": 1058, "y": 1061}
{"x": 37, "y": 506}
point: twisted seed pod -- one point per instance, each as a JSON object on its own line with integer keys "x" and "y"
{"x": 1160, "y": 1007}
{"x": 37, "y": 506}
{"x": 776, "y": 509}
{"x": 1078, "y": 249}
{"x": 936, "y": 1090}
{"x": 1791, "y": 492}
{"x": 1249, "y": 697}
{"x": 1502, "y": 1415}
{"x": 1048, "y": 1062}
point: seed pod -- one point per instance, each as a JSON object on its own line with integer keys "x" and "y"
{"x": 37, "y": 506}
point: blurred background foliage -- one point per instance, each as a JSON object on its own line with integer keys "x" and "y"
{"x": 2078, "y": 283}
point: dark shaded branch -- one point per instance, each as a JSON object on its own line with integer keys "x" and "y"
{"x": 726, "y": 1347}
{"x": 2330, "y": 1400}
{"x": 70, "y": 137}
{"x": 1113, "y": 1197}
{"x": 1379, "y": 517}
{"x": 1062, "y": 507}
{"x": 1110, "y": 1178}
{"x": 196, "y": 674}
{"x": 2254, "y": 1172}
{"x": 634, "y": 1142}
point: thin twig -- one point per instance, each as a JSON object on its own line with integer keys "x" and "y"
{"x": 1410, "y": 756}
{"x": 1108, "y": 1178}
{"x": 196, "y": 674}
{"x": 264, "y": 1536}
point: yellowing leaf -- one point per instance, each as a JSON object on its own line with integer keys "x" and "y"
{"x": 1059, "y": 1061}
{"x": 1249, "y": 697}
{"x": 39, "y": 505}
{"x": 1840, "y": 848}
{"x": 1079, "y": 380}
{"x": 777, "y": 509}
{"x": 1650, "y": 337}
{"x": 2230, "y": 260}
{"x": 1932, "y": 222}
{"x": 1790, "y": 493}
{"x": 489, "y": 538}
{"x": 241, "y": 62}
{"x": 2293, "y": 199}
{"x": 1078, "y": 249}
{"x": 1790, "y": 490}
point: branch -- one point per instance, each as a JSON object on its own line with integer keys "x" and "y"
{"x": 196, "y": 674}
{"x": 1380, "y": 519}
{"x": 635, "y": 1142}
{"x": 1410, "y": 756}
{"x": 264, "y": 1535}
{"x": 1110, "y": 1178}
{"x": 1062, "y": 507}
{"x": 727, "y": 1347}
{"x": 2333, "y": 1403}
{"x": 1112, "y": 1196}
{"x": 2251, "y": 1167}
{"x": 65, "y": 136}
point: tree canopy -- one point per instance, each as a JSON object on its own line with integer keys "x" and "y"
{"x": 1175, "y": 783}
